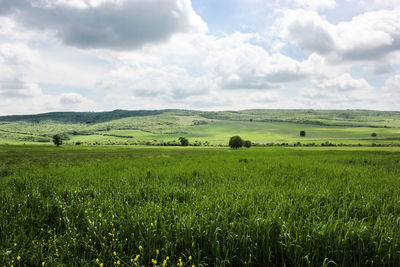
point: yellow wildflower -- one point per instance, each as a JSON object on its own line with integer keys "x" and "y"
{"x": 137, "y": 257}
{"x": 157, "y": 251}
{"x": 101, "y": 264}
{"x": 19, "y": 258}
{"x": 118, "y": 262}
{"x": 97, "y": 261}
{"x": 154, "y": 261}
{"x": 115, "y": 253}
{"x": 140, "y": 247}
{"x": 43, "y": 263}
{"x": 190, "y": 258}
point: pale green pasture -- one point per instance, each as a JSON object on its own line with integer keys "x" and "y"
{"x": 220, "y": 131}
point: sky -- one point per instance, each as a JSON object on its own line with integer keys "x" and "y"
{"x": 98, "y": 55}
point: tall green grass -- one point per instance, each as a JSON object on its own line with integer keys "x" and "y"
{"x": 207, "y": 207}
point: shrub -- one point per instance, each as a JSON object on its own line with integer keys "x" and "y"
{"x": 373, "y": 134}
{"x": 184, "y": 141}
{"x": 302, "y": 133}
{"x": 247, "y": 143}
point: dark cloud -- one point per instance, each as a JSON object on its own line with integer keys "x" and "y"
{"x": 311, "y": 37}
{"x": 110, "y": 25}
{"x": 372, "y": 52}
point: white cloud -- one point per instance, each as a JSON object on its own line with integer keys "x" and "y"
{"x": 45, "y": 103}
{"x": 340, "y": 92}
{"x": 380, "y": 4}
{"x": 393, "y": 84}
{"x": 313, "y": 4}
{"x": 72, "y": 99}
{"x": 235, "y": 63}
{"x": 392, "y": 90}
{"x": 343, "y": 83}
{"x": 168, "y": 83}
{"x": 307, "y": 29}
{"x": 369, "y": 36}
{"x": 318, "y": 4}
{"x": 15, "y": 62}
{"x": 19, "y": 93}
{"x": 319, "y": 67}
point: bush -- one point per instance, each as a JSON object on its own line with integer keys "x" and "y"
{"x": 247, "y": 143}
{"x": 236, "y": 142}
{"x": 302, "y": 133}
{"x": 373, "y": 134}
{"x": 184, "y": 141}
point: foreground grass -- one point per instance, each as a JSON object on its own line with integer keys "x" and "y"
{"x": 263, "y": 206}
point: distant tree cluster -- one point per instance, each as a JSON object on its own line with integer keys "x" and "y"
{"x": 199, "y": 122}
{"x": 184, "y": 141}
{"x": 236, "y": 142}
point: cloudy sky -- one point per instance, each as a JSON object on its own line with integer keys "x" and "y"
{"x": 95, "y": 55}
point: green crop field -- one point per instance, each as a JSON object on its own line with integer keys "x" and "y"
{"x": 351, "y": 127}
{"x": 201, "y": 206}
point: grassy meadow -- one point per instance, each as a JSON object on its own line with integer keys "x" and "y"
{"x": 201, "y": 206}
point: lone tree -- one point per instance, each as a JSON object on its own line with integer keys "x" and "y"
{"x": 373, "y": 134}
{"x": 57, "y": 140}
{"x": 236, "y": 142}
{"x": 184, "y": 141}
{"x": 302, "y": 133}
{"x": 247, "y": 143}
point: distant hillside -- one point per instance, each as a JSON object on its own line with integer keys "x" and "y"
{"x": 82, "y": 117}
{"x": 293, "y": 115}
{"x": 204, "y": 127}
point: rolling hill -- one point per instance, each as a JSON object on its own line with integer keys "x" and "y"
{"x": 204, "y": 127}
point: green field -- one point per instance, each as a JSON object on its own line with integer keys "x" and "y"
{"x": 209, "y": 206}
{"x": 204, "y": 128}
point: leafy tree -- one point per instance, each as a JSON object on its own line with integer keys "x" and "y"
{"x": 302, "y": 133}
{"x": 184, "y": 141}
{"x": 236, "y": 142}
{"x": 373, "y": 134}
{"x": 251, "y": 120}
{"x": 57, "y": 140}
{"x": 247, "y": 143}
